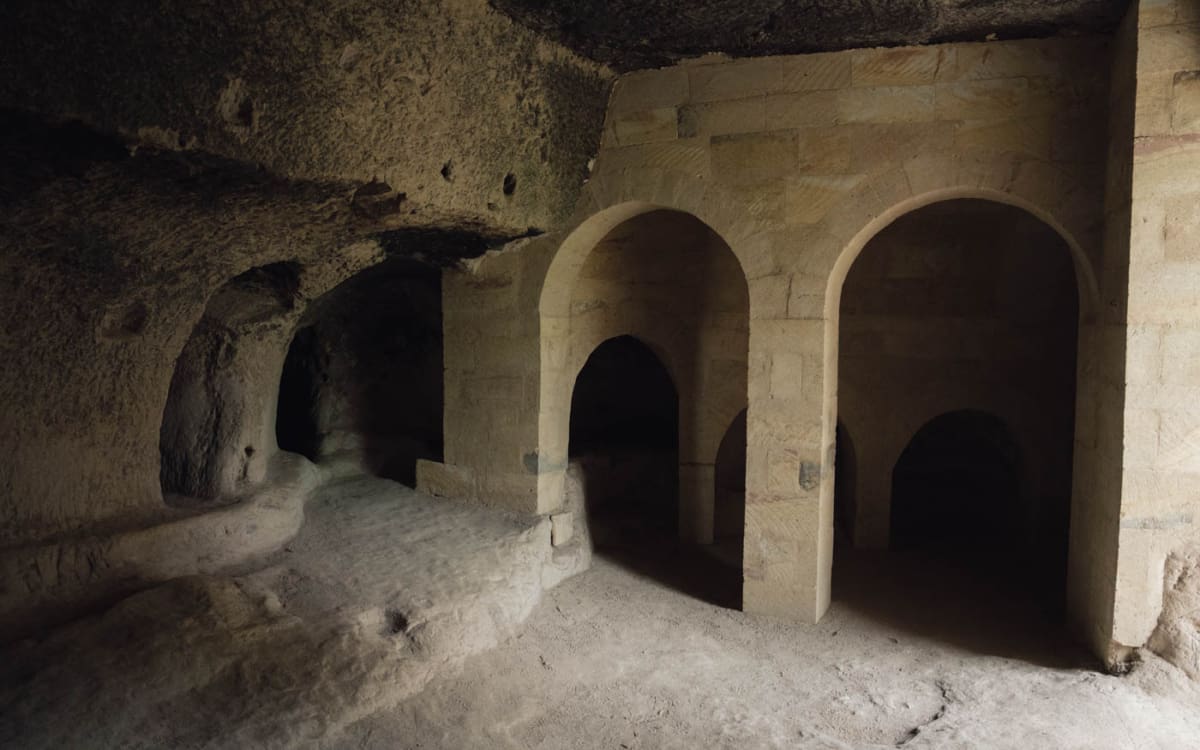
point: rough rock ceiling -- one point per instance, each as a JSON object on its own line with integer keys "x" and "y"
{"x": 631, "y": 34}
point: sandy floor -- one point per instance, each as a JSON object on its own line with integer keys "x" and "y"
{"x": 625, "y": 656}
{"x": 397, "y": 620}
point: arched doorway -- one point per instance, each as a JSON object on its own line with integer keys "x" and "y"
{"x": 957, "y": 365}
{"x": 363, "y": 374}
{"x": 625, "y": 444}
{"x": 666, "y": 278}
{"x": 669, "y": 281}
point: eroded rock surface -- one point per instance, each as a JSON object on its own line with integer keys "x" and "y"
{"x": 632, "y": 34}
{"x": 383, "y": 590}
{"x": 1177, "y": 637}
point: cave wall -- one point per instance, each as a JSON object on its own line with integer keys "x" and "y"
{"x": 441, "y": 100}
{"x": 108, "y": 267}
{"x": 154, "y": 156}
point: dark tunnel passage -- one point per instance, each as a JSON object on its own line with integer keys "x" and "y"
{"x": 364, "y": 372}
{"x": 624, "y": 435}
{"x": 956, "y": 490}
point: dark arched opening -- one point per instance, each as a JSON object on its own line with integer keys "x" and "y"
{"x": 624, "y": 438}
{"x": 297, "y": 428}
{"x": 363, "y": 375}
{"x": 956, "y": 491}
{"x": 729, "y": 510}
{"x": 972, "y": 303}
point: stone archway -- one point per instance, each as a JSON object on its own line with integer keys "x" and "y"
{"x": 669, "y": 279}
{"x": 1081, "y": 339}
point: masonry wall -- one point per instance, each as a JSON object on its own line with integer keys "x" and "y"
{"x": 795, "y": 162}
{"x": 152, "y": 157}
{"x": 1161, "y": 458}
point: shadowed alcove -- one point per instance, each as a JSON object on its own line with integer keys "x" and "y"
{"x": 729, "y": 509}
{"x": 958, "y": 330}
{"x": 658, "y": 323}
{"x": 363, "y": 374}
{"x": 956, "y": 491}
{"x": 624, "y": 435}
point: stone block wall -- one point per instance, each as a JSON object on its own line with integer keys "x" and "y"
{"x": 1160, "y": 484}
{"x": 796, "y": 162}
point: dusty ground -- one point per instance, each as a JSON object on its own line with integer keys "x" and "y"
{"x": 382, "y": 590}
{"x": 396, "y": 620}
{"x": 615, "y": 658}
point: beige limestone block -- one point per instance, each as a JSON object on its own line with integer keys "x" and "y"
{"x": 898, "y": 66}
{"x": 986, "y": 99}
{"x": 736, "y": 80}
{"x": 686, "y": 155}
{"x": 514, "y": 491}
{"x": 787, "y": 374}
{"x": 1168, "y": 48}
{"x": 1180, "y": 353}
{"x": 650, "y": 89}
{"x": 723, "y": 118}
{"x": 754, "y": 158}
{"x": 769, "y": 296}
{"x": 1026, "y": 57}
{"x": 1153, "y": 109}
{"x": 1141, "y": 438}
{"x": 1144, "y": 354}
{"x": 1181, "y": 227}
{"x": 648, "y": 126}
{"x": 1158, "y": 498}
{"x": 823, "y": 151}
{"x": 873, "y": 145}
{"x": 1185, "y": 102}
{"x": 809, "y": 198}
{"x": 1028, "y": 135}
{"x": 1153, "y": 13}
{"x": 817, "y": 72}
{"x": 807, "y": 109}
{"x": 767, "y": 203}
{"x": 886, "y": 104}
{"x": 1178, "y": 446}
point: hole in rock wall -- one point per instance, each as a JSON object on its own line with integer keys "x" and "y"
{"x": 957, "y": 342}
{"x": 624, "y": 432}
{"x": 297, "y": 426}
{"x": 363, "y": 375}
